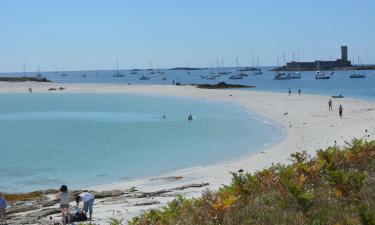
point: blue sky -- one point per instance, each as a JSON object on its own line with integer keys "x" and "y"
{"x": 93, "y": 34}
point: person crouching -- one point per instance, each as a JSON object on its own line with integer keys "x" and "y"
{"x": 88, "y": 201}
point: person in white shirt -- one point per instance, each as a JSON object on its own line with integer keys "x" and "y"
{"x": 88, "y": 201}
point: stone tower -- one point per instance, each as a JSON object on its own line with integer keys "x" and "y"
{"x": 344, "y": 53}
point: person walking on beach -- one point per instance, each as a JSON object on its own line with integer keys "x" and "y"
{"x": 64, "y": 202}
{"x": 88, "y": 201}
{"x": 299, "y": 92}
{"x": 290, "y": 92}
{"x": 330, "y": 105}
{"x": 3, "y": 213}
{"x": 340, "y": 110}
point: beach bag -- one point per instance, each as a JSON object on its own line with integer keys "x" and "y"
{"x": 79, "y": 217}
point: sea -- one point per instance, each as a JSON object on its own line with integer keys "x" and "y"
{"x": 84, "y": 140}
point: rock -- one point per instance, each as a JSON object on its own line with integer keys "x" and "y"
{"x": 21, "y": 208}
{"x": 107, "y": 194}
{"x": 44, "y": 213}
{"x": 147, "y": 203}
{"x": 190, "y": 186}
{"x": 221, "y": 85}
{"x": 151, "y": 194}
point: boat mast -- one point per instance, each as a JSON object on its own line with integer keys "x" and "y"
{"x": 252, "y": 53}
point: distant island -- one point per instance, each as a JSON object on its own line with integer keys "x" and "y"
{"x": 185, "y": 68}
{"x": 24, "y": 79}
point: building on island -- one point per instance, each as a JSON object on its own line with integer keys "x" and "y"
{"x": 322, "y": 65}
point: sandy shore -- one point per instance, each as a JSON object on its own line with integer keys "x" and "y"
{"x": 307, "y": 122}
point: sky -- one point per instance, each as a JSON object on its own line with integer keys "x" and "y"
{"x": 94, "y": 34}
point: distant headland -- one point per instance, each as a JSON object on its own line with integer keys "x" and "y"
{"x": 339, "y": 64}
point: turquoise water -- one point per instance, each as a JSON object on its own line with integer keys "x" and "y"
{"x": 89, "y": 139}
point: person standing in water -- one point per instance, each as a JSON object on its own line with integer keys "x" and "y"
{"x": 340, "y": 110}
{"x": 299, "y": 92}
{"x": 330, "y": 105}
{"x": 290, "y": 92}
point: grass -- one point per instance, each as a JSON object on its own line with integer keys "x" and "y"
{"x": 337, "y": 186}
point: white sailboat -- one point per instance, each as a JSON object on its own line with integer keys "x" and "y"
{"x": 357, "y": 74}
{"x": 237, "y": 76}
{"x": 118, "y": 74}
{"x": 38, "y": 74}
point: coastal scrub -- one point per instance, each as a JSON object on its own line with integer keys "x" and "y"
{"x": 337, "y": 186}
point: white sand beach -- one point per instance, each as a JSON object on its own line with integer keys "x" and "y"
{"x": 307, "y": 122}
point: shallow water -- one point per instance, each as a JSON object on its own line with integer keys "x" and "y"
{"x": 88, "y": 139}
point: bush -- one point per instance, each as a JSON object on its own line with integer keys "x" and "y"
{"x": 331, "y": 188}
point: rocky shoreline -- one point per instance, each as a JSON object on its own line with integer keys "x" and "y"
{"x": 24, "y": 79}
{"x": 43, "y": 206}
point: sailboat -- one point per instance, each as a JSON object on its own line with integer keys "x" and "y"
{"x": 84, "y": 74}
{"x": 118, "y": 74}
{"x": 357, "y": 75}
{"x": 134, "y": 71}
{"x": 143, "y": 77}
{"x": 320, "y": 75}
{"x": 212, "y": 74}
{"x": 62, "y": 73}
{"x": 151, "y": 69}
{"x": 38, "y": 74}
{"x": 236, "y": 76}
{"x": 259, "y": 69}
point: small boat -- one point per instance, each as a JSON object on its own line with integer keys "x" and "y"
{"x": 332, "y": 72}
{"x": 235, "y": 77}
{"x": 258, "y": 72}
{"x": 145, "y": 78}
{"x": 337, "y": 96}
{"x": 295, "y": 75}
{"x": 321, "y": 76}
{"x": 282, "y": 77}
{"x": 242, "y": 74}
{"x": 210, "y": 77}
{"x": 203, "y": 77}
{"x": 38, "y": 73}
{"x": 63, "y": 74}
{"x": 83, "y": 75}
{"x": 164, "y": 78}
{"x": 356, "y": 75}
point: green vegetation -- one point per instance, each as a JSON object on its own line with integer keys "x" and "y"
{"x": 335, "y": 187}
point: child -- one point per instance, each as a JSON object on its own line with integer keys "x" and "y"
{"x": 64, "y": 202}
{"x": 3, "y": 206}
